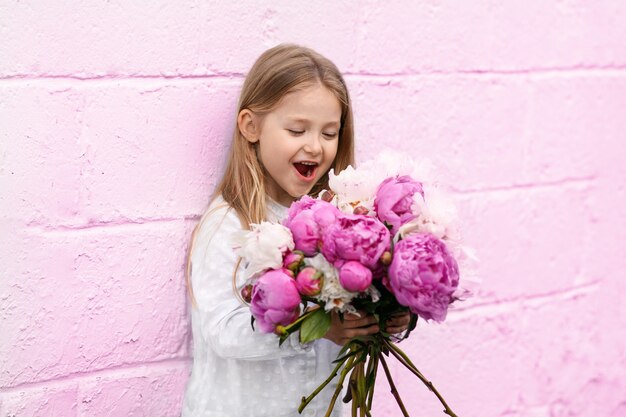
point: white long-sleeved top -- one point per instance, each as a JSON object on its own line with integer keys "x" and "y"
{"x": 238, "y": 372}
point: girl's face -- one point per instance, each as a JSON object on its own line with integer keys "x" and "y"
{"x": 298, "y": 142}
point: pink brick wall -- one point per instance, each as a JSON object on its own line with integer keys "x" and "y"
{"x": 114, "y": 123}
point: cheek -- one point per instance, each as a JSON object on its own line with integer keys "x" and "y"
{"x": 331, "y": 151}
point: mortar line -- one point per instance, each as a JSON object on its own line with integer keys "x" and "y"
{"x": 528, "y": 186}
{"x": 78, "y": 376}
{"x": 618, "y": 69}
{"x": 524, "y": 300}
{"x": 118, "y": 77}
{"x": 583, "y": 71}
{"x": 42, "y": 228}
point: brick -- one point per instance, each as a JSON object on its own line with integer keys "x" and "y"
{"x": 334, "y": 35}
{"x": 574, "y": 124}
{"x": 530, "y": 241}
{"x": 59, "y": 400}
{"x": 70, "y": 164}
{"x": 84, "y": 300}
{"x": 149, "y": 391}
{"x": 484, "y": 36}
{"x": 171, "y": 140}
{"x": 160, "y": 39}
{"x": 455, "y": 122}
{"x": 493, "y": 132}
{"x": 40, "y": 153}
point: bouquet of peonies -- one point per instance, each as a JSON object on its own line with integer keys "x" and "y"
{"x": 379, "y": 241}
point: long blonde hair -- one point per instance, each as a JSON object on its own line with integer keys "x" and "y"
{"x": 278, "y": 71}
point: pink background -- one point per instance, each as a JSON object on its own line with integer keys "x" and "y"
{"x": 114, "y": 124}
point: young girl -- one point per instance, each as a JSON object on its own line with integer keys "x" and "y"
{"x": 294, "y": 123}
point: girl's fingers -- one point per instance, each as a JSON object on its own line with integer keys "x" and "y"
{"x": 399, "y": 320}
{"x": 396, "y": 330}
{"x": 396, "y": 323}
{"x": 352, "y": 321}
{"x": 362, "y": 331}
{"x": 366, "y": 325}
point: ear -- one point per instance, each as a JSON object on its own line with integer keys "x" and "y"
{"x": 249, "y": 125}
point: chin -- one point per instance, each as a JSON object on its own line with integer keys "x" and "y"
{"x": 298, "y": 194}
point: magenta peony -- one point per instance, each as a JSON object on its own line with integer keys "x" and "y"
{"x": 275, "y": 300}
{"x": 423, "y": 275}
{"x": 354, "y": 277}
{"x": 309, "y": 281}
{"x": 394, "y": 199}
{"x": 354, "y": 237}
{"x": 308, "y": 219}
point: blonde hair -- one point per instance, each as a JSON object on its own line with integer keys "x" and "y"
{"x": 278, "y": 71}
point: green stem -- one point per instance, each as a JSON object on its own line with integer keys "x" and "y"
{"x": 360, "y": 388}
{"x": 306, "y": 401}
{"x": 370, "y": 397}
{"x": 394, "y": 391}
{"x": 351, "y": 363}
{"x": 404, "y": 359}
{"x": 354, "y": 403}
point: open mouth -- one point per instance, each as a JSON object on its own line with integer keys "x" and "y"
{"x": 306, "y": 169}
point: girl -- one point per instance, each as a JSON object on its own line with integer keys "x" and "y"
{"x": 294, "y": 123}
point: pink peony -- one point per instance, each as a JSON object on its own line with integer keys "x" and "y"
{"x": 356, "y": 237}
{"x": 354, "y": 277}
{"x": 275, "y": 300}
{"x": 309, "y": 281}
{"x": 394, "y": 198}
{"x": 308, "y": 219}
{"x": 423, "y": 275}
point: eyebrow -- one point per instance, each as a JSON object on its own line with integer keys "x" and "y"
{"x": 304, "y": 120}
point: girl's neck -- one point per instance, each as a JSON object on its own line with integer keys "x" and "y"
{"x": 276, "y": 211}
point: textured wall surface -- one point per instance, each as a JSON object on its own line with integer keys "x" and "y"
{"x": 114, "y": 124}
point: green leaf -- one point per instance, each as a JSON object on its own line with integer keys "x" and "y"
{"x": 315, "y": 326}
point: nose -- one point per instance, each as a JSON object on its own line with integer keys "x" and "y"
{"x": 313, "y": 144}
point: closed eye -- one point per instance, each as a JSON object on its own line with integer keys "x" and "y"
{"x": 295, "y": 132}
{"x": 330, "y": 135}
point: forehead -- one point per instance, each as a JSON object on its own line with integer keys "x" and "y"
{"x": 314, "y": 103}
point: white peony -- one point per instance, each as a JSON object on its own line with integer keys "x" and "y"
{"x": 353, "y": 187}
{"x": 435, "y": 213}
{"x": 263, "y": 247}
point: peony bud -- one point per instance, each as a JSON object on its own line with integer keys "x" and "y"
{"x": 354, "y": 276}
{"x": 246, "y": 293}
{"x": 309, "y": 281}
{"x": 280, "y": 330}
{"x": 293, "y": 260}
{"x": 386, "y": 258}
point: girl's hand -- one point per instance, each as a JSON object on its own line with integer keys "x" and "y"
{"x": 398, "y": 323}
{"x": 352, "y": 326}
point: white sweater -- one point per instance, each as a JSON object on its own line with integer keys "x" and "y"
{"x": 238, "y": 372}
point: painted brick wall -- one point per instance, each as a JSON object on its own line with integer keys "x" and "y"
{"x": 114, "y": 123}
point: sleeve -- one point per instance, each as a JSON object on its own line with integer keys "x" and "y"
{"x": 224, "y": 320}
